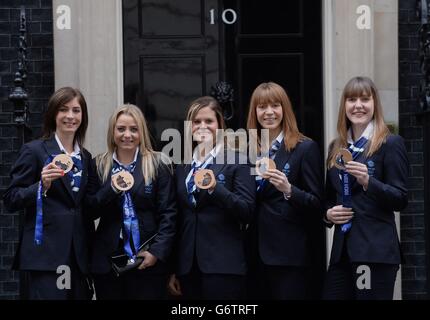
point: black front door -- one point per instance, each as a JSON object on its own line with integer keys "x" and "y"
{"x": 175, "y": 51}
{"x": 171, "y": 56}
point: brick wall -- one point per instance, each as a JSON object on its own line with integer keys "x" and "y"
{"x": 414, "y": 278}
{"x": 40, "y": 85}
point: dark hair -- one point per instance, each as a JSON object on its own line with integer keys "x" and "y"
{"x": 206, "y": 101}
{"x": 56, "y": 101}
{"x": 203, "y": 102}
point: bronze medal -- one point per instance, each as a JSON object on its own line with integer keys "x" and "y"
{"x": 262, "y": 165}
{"x": 342, "y": 156}
{"x": 63, "y": 161}
{"x": 123, "y": 180}
{"x": 204, "y": 179}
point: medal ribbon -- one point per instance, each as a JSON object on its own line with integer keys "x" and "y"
{"x": 130, "y": 221}
{"x": 356, "y": 149}
{"x": 38, "y": 228}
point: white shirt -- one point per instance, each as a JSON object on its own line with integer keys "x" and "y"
{"x": 76, "y": 148}
{"x": 115, "y": 157}
{"x": 367, "y": 133}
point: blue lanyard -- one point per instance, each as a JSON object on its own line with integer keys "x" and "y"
{"x": 355, "y": 149}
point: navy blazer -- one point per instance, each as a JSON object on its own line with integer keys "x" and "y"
{"x": 213, "y": 231}
{"x": 282, "y": 224}
{"x": 155, "y": 208}
{"x": 373, "y": 236}
{"x": 64, "y": 223}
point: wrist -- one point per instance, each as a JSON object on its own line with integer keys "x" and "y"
{"x": 326, "y": 218}
{"x": 45, "y": 189}
{"x": 366, "y": 183}
{"x": 287, "y": 192}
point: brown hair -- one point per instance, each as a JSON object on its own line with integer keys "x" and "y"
{"x": 270, "y": 92}
{"x": 56, "y": 101}
{"x": 359, "y": 87}
{"x": 202, "y": 102}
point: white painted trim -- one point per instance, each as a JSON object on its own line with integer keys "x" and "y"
{"x": 119, "y": 53}
{"x": 329, "y": 73}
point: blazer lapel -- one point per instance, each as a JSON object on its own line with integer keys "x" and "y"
{"x": 182, "y": 172}
{"x": 282, "y": 157}
{"x": 334, "y": 173}
{"x": 362, "y": 159}
{"x": 216, "y": 168}
{"x": 84, "y": 176}
{"x": 137, "y": 175}
{"x": 52, "y": 148}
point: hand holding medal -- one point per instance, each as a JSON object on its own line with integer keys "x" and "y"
{"x": 123, "y": 180}
{"x": 57, "y": 168}
{"x": 343, "y": 156}
{"x": 264, "y": 164}
{"x": 205, "y": 179}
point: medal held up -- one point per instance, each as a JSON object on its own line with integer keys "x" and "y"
{"x": 205, "y": 179}
{"x": 123, "y": 180}
{"x": 63, "y": 161}
{"x": 264, "y": 164}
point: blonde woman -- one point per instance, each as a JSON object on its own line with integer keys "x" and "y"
{"x": 289, "y": 197}
{"x": 210, "y": 259}
{"x": 362, "y": 196}
{"x": 129, "y": 218}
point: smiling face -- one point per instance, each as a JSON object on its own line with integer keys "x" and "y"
{"x": 68, "y": 118}
{"x": 360, "y": 110}
{"x": 126, "y": 133}
{"x": 204, "y": 125}
{"x": 269, "y": 115}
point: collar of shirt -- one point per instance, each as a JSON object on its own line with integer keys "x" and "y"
{"x": 367, "y": 133}
{"x": 213, "y": 153}
{"x": 278, "y": 138}
{"x": 76, "y": 148}
{"x": 115, "y": 158}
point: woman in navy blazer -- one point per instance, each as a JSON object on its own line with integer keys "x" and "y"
{"x": 61, "y": 244}
{"x": 153, "y": 199}
{"x": 288, "y": 198}
{"x": 210, "y": 255}
{"x": 365, "y": 255}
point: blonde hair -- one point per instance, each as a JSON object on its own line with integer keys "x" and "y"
{"x": 150, "y": 158}
{"x": 359, "y": 87}
{"x": 270, "y": 92}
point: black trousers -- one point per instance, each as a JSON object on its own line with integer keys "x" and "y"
{"x": 201, "y": 286}
{"x": 277, "y": 282}
{"x": 65, "y": 285}
{"x": 360, "y": 281}
{"x": 133, "y": 285}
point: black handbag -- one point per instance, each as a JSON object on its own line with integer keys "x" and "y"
{"x": 122, "y": 263}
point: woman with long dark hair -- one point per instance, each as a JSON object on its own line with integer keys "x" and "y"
{"x": 54, "y": 241}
